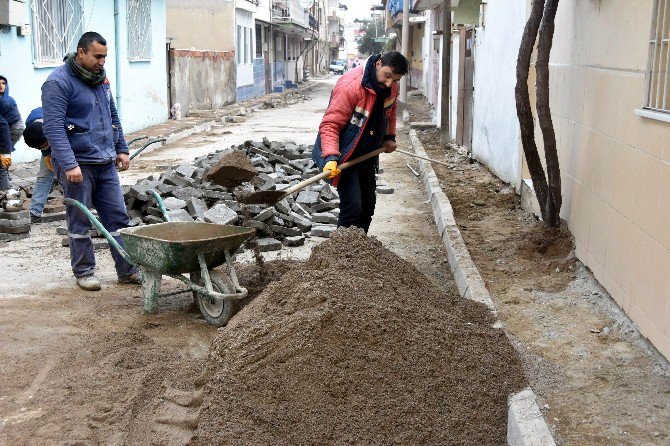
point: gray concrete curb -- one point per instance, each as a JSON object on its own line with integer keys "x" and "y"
{"x": 525, "y": 425}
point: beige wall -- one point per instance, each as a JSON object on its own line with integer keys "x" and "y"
{"x": 615, "y": 165}
{"x": 201, "y": 24}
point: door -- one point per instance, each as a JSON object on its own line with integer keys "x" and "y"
{"x": 465, "y": 87}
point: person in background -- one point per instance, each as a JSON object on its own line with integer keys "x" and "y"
{"x": 11, "y": 129}
{"x": 87, "y": 145}
{"x": 360, "y": 118}
{"x": 34, "y": 137}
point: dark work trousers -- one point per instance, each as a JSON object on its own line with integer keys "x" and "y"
{"x": 357, "y": 188}
{"x": 101, "y": 188}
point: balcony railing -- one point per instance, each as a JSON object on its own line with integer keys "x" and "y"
{"x": 289, "y": 11}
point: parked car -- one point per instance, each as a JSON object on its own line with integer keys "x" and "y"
{"x": 338, "y": 66}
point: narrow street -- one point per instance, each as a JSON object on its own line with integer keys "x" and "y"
{"x": 91, "y": 368}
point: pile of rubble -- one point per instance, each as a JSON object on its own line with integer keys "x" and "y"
{"x": 211, "y": 190}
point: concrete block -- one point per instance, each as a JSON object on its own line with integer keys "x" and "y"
{"x": 525, "y": 424}
{"x": 184, "y": 193}
{"x": 283, "y": 230}
{"x": 217, "y": 195}
{"x": 173, "y": 203}
{"x": 221, "y": 215}
{"x": 301, "y": 210}
{"x": 58, "y": 216}
{"x": 283, "y": 207}
{"x": 422, "y": 125}
{"x": 268, "y": 244}
{"x": 15, "y": 226}
{"x": 196, "y": 208}
{"x": 323, "y": 230}
{"x": 152, "y": 220}
{"x": 260, "y": 226}
{"x": 310, "y": 198}
{"x": 185, "y": 170}
{"x": 324, "y": 217}
{"x": 327, "y": 205}
{"x": 13, "y": 237}
{"x": 266, "y": 214}
{"x": 61, "y": 230}
{"x": 232, "y": 169}
{"x": 17, "y": 215}
{"x": 179, "y": 215}
{"x": 298, "y": 240}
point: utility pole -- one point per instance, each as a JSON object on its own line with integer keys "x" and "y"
{"x": 405, "y": 47}
{"x": 445, "y": 137}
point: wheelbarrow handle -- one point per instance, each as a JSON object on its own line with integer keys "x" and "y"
{"x": 112, "y": 241}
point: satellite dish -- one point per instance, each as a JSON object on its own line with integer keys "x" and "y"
{"x": 306, "y": 4}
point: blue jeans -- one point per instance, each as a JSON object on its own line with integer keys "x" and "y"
{"x": 45, "y": 179}
{"x": 101, "y": 188}
{"x": 357, "y": 188}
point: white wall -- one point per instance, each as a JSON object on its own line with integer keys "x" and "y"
{"x": 495, "y": 139}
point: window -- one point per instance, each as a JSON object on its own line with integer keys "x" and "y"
{"x": 244, "y": 44}
{"x": 57, "y": 26}
{"x": 259, "y": 41}
{"x": 139, "y": 29}
{"x": 657, "y": 96}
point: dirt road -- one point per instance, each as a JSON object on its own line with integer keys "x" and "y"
{"x": 91, "y": 368}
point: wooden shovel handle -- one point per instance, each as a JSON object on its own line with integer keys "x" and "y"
{"x": 324, "y": 175}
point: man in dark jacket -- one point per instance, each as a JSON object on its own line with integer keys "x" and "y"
{"x": 87, "y": 145}
{"x": 360, "y": 118}
{"x": 11, "y": 128}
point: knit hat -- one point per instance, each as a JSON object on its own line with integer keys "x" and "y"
{"x": 34, "y": 136}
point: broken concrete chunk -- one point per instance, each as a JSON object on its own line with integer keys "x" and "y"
{"x": 384, "y": 189}
{"x": 185, "y": 170}
{"x": 265, "y": 214}
{"x": 185, "y": 193}
{"x": 308, "y": 197}
{"x": 221, "y": 215}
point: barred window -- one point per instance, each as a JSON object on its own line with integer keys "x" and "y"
{"x": 657, "y": 96}
{"x": 57, "y": 26}
{"x": 139, "y": 29}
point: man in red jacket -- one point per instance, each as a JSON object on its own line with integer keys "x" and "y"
{"x": 360, "y": 118}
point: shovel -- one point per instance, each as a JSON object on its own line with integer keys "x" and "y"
{"x": 273, "y": 196}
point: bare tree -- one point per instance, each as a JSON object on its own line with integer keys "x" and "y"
{"x": 548, "y": 193}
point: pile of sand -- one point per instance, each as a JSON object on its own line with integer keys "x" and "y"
{"x": 358, "y": 347}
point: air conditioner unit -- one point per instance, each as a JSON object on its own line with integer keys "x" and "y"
{"x": 13, "y": 12}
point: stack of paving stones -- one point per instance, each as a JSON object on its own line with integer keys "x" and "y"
{"x": 209, "y": 189}
{"x": 14, "y": 219}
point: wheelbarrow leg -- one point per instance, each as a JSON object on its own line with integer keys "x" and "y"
{"x": 151, "y": 288}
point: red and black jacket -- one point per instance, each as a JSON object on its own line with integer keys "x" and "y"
{"x": 346, "y": 117}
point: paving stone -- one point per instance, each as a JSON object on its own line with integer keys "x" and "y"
{"x": 327, "y": 205}
{"x": 268, "y": 244}
{"x": 323, "y": 230}
{"x": 152, "y": 220}
{"x": 265, "y": 214}
{"x": 384, "y": 189}
{"x": 173, "y": 179}
{"x": 179, "y": 215}
{"x": 165, "y": 189}
{"x": 324, "y": 217}
{"x": 17, "y": 215}
{"x": 301, "y": 210}
{"x": 58, "y": 216}
{"x": 187, "y": 192}
{"x": 259, "y": 225}
{"x": 302, "y": 223}
{"x": 53, "y": 208}
{"x": 298, "y": 240}
{"x": 283, "y": 207}
{"x": 173, "y": 203}
{"x": 61, "y": 230}
{"x": 196, "y": 207}
{"x": 185, "y": 170}
{"x": 221, "y": 215}
{"x": 310, "y": 198}
{"x": 137, "y": 221}
{"x": 283, "y": 230}
{"x": 217, "y": 195}
{"x": 15, "y": 226}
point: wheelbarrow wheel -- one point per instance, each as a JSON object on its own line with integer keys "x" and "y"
{"x": 216, "y": 312}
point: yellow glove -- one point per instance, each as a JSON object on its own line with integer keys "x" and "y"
{"x": 47, "y": 161}
{"x": 334, "y": 171}
{"x": 5, "y": 161}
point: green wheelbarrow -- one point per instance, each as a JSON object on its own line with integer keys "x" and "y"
{"x": 176, "y": 248}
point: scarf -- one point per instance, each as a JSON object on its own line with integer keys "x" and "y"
{"x": 92, "y": 79}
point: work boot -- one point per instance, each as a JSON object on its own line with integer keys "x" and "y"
{"x": 34, "y": 219}
{"x": 133, "y": 279}
{"x": 89, "y": 283}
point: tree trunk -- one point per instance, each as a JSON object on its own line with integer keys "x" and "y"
{"x": 552, "y": 205}
{"x": 523, "y": 109}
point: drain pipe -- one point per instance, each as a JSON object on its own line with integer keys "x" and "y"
{"x": 117, "y": 56}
